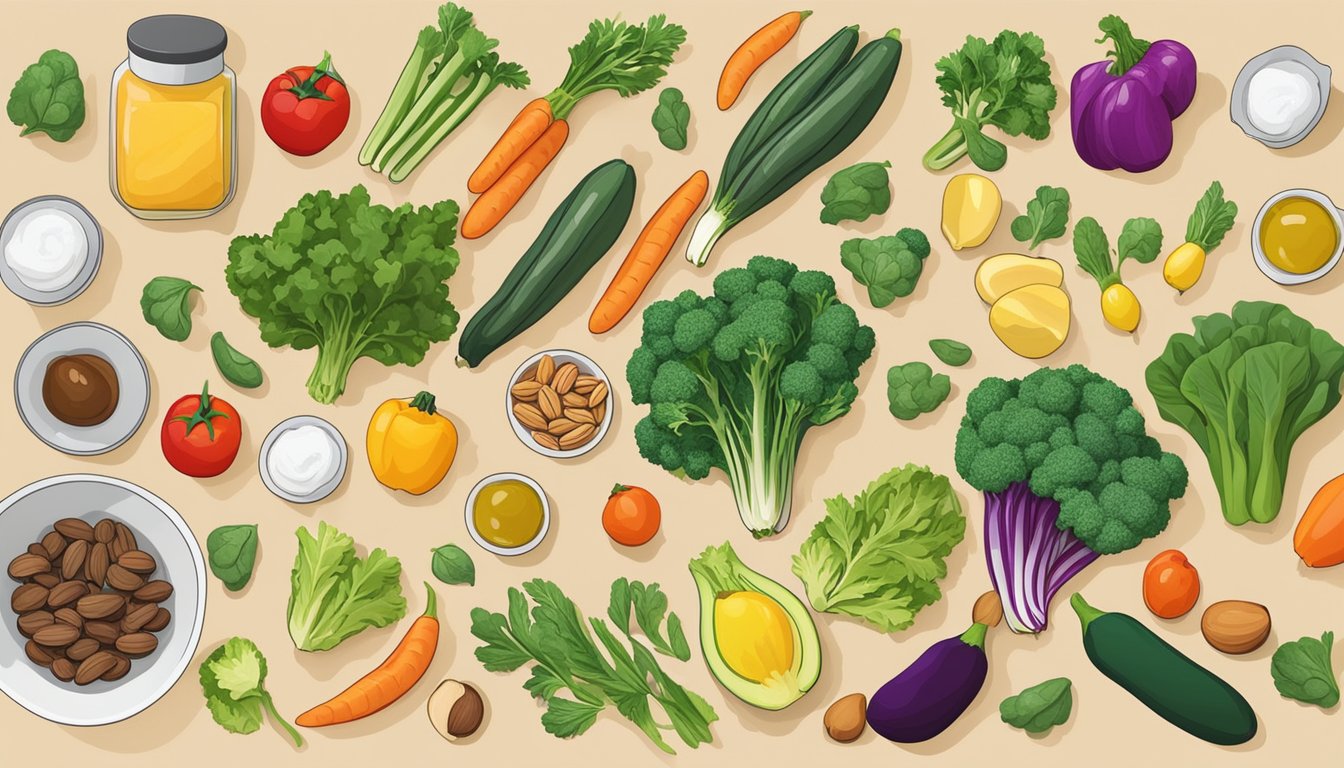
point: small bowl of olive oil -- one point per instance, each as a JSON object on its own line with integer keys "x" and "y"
{"x": 508, "y": 514}
{"x": 1297, "y": 236}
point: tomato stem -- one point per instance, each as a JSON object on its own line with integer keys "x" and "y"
{"x": 619, "y": 489}
{"x": 204, "y": 413}
{"x": 308, "y": 88}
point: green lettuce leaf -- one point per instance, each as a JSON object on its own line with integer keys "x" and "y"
{"x": 233, "y": 679}
{"x": 335, "y": 595}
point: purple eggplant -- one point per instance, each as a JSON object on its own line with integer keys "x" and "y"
{"x": 1121, "y": 109}
{"x": 930, "y": 694}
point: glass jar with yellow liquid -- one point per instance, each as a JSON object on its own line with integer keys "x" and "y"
{"x": 174, "y": 147}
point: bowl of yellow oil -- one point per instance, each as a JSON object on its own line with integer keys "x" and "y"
{"x": 1299, "y": 235}
{"x": 508, "y": 514}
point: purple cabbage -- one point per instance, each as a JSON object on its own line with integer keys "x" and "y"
{"x": 1029, "y": 555}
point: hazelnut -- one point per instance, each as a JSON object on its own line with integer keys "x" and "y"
{"x": 455, "y": 710}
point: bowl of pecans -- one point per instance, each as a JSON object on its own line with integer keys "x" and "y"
{"x": 103, "y": 598}
{"x": 560, "y": 403}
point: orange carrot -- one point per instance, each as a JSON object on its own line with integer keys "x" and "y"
{"x": 750, "y": 55}
{"x": 522, "y": 133}
{"x": 647, "y": 254}
{"x": 495, "y": 203}
{"x": 390, "y": 681}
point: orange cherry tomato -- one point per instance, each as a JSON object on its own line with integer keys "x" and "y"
{"x": 632, "y": 515}
{"x": 1170, "y": 584}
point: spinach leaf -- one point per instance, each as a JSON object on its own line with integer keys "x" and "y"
{"x": 1140, "y": 239}
{"x": 1302, "y": 671}
{"x": 1040, "y": 707}
{"x": 671, "y": 118}
{"x": 166, "y": 304}
{"x": 48, "y": 97}
{"x": 232, "y": 551}
{"x": 855, "y": 193}
{"x": 451, "y": 565}
{"x": 950, "y": 351}
{"x": 1047, "y": 217}
{"x": 889, "y": 266}
{"x": 239, "y": 369}
{"x": 914, "y": 389}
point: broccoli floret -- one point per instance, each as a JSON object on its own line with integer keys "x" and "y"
{"x": 888, "y": 266}
{"x": 914, "y": 389}
{"x": 771, "y": 354}
{"x": 1065, "y": 446}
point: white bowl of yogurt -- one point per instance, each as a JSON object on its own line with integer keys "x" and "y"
{"x": 1280, "y": 96}
{"x": 50, "y": 250}
{"x": 303, "y": 459}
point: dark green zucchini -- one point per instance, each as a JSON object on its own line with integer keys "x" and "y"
{"x": 1183, "y": 693}
{"x": 575, "y": 238}
{"x": 819, "y": 131}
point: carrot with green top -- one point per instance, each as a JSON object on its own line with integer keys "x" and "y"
{"x": 522, "y": 133}
{"x": 492, "y": 206}
{"x": 755, "y": 51}
{"x": 390, "y": 681}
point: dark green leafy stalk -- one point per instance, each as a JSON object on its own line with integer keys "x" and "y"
{"x": 855, "y": 193}
{"x": 584, "y": 658}
{"x": 1047, "y": 217}
{"x": 1212, "y": 218}
{"x": 1302, "y": 671}
{"x": 650, "y": 606}
{"x": 166, "y": 304}
{"x": 232, "y": 552}
{"x": 950, "y": 351}
{"x": 616, "y": 55}
{"x": 1040, "y": 707}
{"x": 889, "y": 266}
{"x": 233, "y": 679}
{"x": 671, "y": 119}
{"x": 238, "y": 369}
{"x": 452, "y": 565}
{"x": 48, "y": 97}
{"x": 913, "y": 389}
{"x": 1005, "y": 84}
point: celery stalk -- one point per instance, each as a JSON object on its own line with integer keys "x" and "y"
{"x": 429, "y": 45}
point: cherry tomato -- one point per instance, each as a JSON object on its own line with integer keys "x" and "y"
{"x": 632, "y": 515}
{"x": 201, "y": 434}
{"x": 306, "y": 108}
{"x": 1170, "y": 584}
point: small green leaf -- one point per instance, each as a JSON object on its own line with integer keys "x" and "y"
{"x": 671, "y": 118}
{"x": 48, "y": 97}
{"x": 1302, "y": 671}
{"x": 166, "y": 305}
{"x": 914, "y": 389}
{"x": 950, "y": 351}
{"x": 1140, "y": 239}
{"x": 451, "y": 565}
{"x": 1047, "y": 216}
{"x": 232, "y": 551}
{"x": 889, "y": 266}
{"x": 1040, "y": 707}
{"x": 239, "y": 369}
{"x": 855, "y": 193}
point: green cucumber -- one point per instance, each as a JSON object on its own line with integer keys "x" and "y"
{"x": 575, "y": 238}
{"x": 1182, "y": 692}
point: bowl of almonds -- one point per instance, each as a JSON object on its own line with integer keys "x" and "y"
{"x": 560, "y": 403}
{"x": 103, "y": 598}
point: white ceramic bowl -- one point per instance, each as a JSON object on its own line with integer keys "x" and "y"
{"x": 495, "y": 548}
{"x": 1283, "y": 277}
{"x": 83, "y": 339}
{"x": 586, "y": 365}
{"x": 92, "y": 233}
{"x": 25, "y": 516}
{"x": 1241, "y": 86}
{"x": 324, "y": 490}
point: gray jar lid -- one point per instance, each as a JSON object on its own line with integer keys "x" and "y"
{"x": 176, "y": 39}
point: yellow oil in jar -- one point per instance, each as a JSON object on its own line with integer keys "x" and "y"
{"x": 507, "y": 513}
{"x": 174, "y": 144}
{"x": 1298, "y": 235}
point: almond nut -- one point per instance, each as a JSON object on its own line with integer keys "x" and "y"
{"x": 121, "y": 665}
{"x": 154, "y": 592}
{"x": 39, "y": 655}
{"x": 578, "y": 437}
{"x": 844, "y": 720}
{"x": 136, "y": 619}
{"x": 529, "y": 416}
{"x": 580, "y": 415}
{"x": 54, "y": 543}
{"x": 126, "y": 538}
{"x": 74, "y": 528}
{"x": 94, "y": 667}
{"x": 137, "y": 644}
{"x": 159, "y": 622}
{"x": 63, "y": 669}
{"x": 526, "y": 390}
{"x": 69, "y": 616}
{"x": 561, "y": 426}
{"x": 82, "y": 649}
{"x": 1235, "y": 626}
{"x": 28, "y": 597}
{"x": 598, "y": 395}
{"x": 48, "y": 580}
{"x": 548, "y": 401}
{"x": 546, "y": 441}
{"x": 136, "y": 561}
{"x": 34, "y": 620}
{"x": 120, "y": 578}
{"x": 105, "y": 531}
{"x": 37, "y": 549}
{"x": 600, "y": 412}
{"x": 545, "y": 369}
{"x": 585, "y": 384}
{"x": 66, "y": 593}
{"x": 988, "y": 609}
{"x": 73, "y": 559}
{"x": 27, "y": 565}
{"x": 455, "y": 709}
{"x": 56, "y": 635}
{"x": 565, "y": 376}
{"x": 100, "y": 606}
{"x": 104, "y": 632}
{"x": 573, "y": 399}
{"x": 97, "y": 563}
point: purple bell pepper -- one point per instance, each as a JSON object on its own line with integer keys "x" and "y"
{"x": 1122, "y": 108}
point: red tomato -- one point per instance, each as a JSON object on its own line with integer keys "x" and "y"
{"x": 201, "y": 434}
{"x": 306, "y": 108}
{"x": 632, "y": 515}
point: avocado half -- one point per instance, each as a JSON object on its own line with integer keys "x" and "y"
{"x": 719, "y": 575}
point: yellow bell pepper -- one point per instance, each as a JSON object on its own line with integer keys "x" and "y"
{"x": 410, "y": 445}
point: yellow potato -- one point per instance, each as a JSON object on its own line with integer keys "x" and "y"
{"x": 999, "y": 275}
{"x": 1032, "y": 321}
{"x": 971, "y": 206}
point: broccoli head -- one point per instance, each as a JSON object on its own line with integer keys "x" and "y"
{"x": 734, "y": 380}
{"x": 889, "y": 266}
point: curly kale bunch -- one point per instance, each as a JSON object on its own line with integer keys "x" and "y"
{"x": 733, "y": 380}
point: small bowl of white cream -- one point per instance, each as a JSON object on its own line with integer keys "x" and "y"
{"x": 1280, "y": 96}
{"x": 303, "y": 459}
{"x": 50, "y": 250}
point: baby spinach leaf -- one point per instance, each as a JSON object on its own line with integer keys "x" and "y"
{"x": 1047, "y": 217}
{"x": 239, "y": 369}
{"x": 671, "y": 118}
{"x": 48, "y": 97}
{"x": 1140, "y": 239}
{"x": 950, "y": 351}
{"x": 1302, "y": 671}
{"x": 232, "y": 551}
{"x": 914, "y": 389}
{"x": 166, "y": 304}
{"x": 855, "y": 193}
{"x": 1040, "y": 707}
{"x": 889, "y": 266}
{"x": 451, "y": 565}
